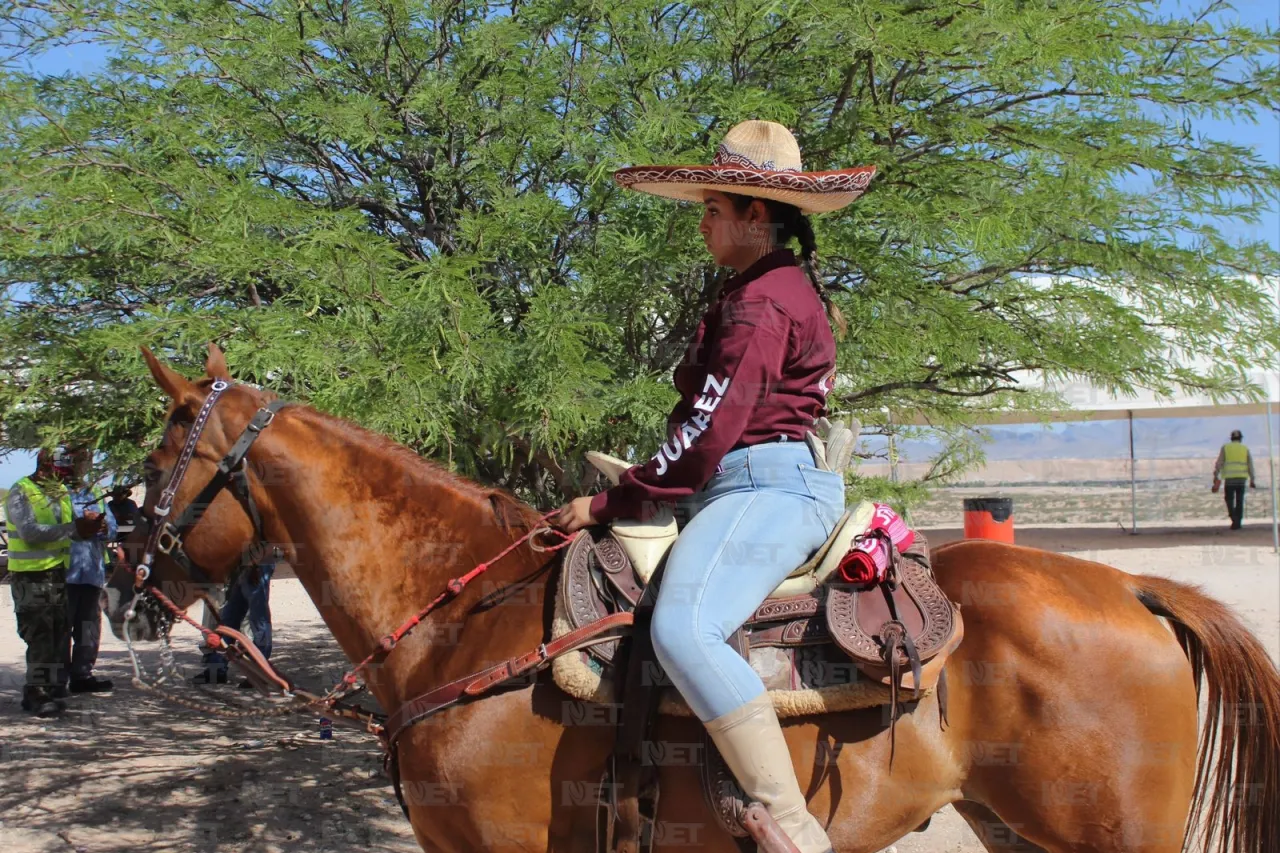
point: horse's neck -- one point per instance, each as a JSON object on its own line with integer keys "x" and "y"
{"x": 374, "y": 537}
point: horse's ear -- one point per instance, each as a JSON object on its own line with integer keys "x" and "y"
{"x": 215, "y": 366}
{"x": 177, "y": 386}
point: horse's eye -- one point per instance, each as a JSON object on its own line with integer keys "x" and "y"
{"x": 151, "y": 473}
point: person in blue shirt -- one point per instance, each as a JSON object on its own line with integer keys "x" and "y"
{"x": 86, "y": 576}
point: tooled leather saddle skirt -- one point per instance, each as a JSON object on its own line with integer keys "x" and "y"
{"x": 898, "y": 632}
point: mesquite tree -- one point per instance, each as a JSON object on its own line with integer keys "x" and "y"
{"x": 401, "y": 212}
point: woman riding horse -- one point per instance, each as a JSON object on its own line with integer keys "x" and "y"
{"x": 754, "y": 379}
{"x": 1072, "y": 714}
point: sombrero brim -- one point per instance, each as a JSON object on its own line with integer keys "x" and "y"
{"x": 812, "y": 192}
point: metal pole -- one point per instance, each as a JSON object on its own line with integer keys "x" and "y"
{"x": 1271, "y": 466}
{"x": 1133, "y": 480}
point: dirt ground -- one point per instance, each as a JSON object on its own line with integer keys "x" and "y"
{"x": 124, "y": 772}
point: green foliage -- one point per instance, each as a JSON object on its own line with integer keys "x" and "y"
{"x": 902, "y": 495}
{"x": 961, "y": 450}
{"x": 401, "y": 212}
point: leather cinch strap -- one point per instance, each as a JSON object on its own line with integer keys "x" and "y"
{"x": 477, "y": 684}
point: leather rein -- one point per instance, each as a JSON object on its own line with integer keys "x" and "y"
{"x": 166, "y": 537}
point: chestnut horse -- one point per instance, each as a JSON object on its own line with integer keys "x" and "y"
{"x": 1073, "y": 706}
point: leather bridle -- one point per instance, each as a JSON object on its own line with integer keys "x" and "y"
{"x": 165, "y": 536}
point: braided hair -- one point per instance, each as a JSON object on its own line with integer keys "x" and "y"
{"x": 789, "y": 223}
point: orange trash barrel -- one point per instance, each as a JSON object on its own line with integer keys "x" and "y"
{"x": 988, "y": 518}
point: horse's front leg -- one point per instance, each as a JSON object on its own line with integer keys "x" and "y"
{"x": 514, "y": 771}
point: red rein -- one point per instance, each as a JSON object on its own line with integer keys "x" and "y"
{"x": 452, "y": 590}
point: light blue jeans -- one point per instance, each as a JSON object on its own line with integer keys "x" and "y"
{"x": 763, "y": 514}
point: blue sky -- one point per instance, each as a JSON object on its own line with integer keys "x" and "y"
{"x": 1263, "y": 136}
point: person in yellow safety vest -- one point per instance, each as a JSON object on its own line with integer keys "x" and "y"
{"x": 41, "y": 524}
{"x": 1233, "y": 469}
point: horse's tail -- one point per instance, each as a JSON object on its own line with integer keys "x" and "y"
{"x": 1238, "y": 771}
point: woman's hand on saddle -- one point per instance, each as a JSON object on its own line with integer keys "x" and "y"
{"x": 575, "y": 515}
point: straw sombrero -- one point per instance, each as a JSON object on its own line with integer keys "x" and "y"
{"x": 757, "y": 158}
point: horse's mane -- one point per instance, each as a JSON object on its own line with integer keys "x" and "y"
{"x": 508, "y": 510}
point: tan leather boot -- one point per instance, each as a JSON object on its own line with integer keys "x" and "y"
{"x": 750, "y": 739}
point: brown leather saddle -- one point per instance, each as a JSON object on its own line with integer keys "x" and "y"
{"x": 898, "y": 633}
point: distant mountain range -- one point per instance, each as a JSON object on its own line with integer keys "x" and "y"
{"x": 1154, "y": 438}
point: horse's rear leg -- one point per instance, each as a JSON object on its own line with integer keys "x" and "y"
{"x": 1076, "y": 709}
{"x": 995, "y": 835}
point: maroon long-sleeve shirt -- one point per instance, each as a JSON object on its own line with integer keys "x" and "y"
{"x": 758, "y": 369}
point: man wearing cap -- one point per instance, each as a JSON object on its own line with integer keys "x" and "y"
{"x": 123, "y": 508}
{"x": 1233, "y": 469}
{"x": 41, "y": 526}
